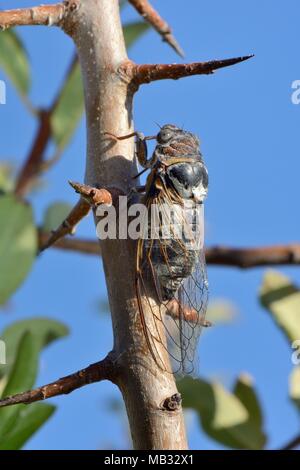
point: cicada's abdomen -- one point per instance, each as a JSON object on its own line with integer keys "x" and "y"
{"x": 176, "y": 252}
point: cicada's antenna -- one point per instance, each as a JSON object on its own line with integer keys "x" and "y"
{"x": 158, "y": 125}
{"x": 133, "y": 134}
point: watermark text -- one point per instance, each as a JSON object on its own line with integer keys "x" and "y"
{"x": 2, "y": 92}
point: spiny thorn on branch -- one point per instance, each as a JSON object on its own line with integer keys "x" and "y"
{"x": 147, "y": 73}
{"x": 103, "y": 370}
{"x": 47, "y": 15}
{"x": 93, "y": 196}
{"x": 146, "y": 10}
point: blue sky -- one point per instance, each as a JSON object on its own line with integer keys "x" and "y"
{"x": 249, "y": 131}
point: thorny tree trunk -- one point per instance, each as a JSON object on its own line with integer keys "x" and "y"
{"x": 110, "y": 81}
{"x": 98, "y": 34}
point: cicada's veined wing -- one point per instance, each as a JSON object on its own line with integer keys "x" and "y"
{"x": 188, "y": 319}
{"x": 171, "y": 282}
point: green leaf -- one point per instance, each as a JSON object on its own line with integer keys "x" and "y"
{"x": 295, "y": 386}
{"x": 18, "y": 244}
{"x": 6, "y": 180}
{"x": 30, "y": 419}
{"x": 224, "y": 417}
{"x": 55, "y": 215}
{"x": 133, "y": 31}
{"x": 253, "y": 429}
{"x": 44, "y": 330}
{"x": 14, "y": 60}
{"x": 21, "y": 378}
{"x": 69, "y": 108}
{"x": 282, "y": 299}
{"x": 24, "y": 371}
{"x": 70, "y": 105}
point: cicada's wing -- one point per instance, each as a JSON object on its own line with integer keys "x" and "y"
{"x": 171, "y": 284}
{"x": 191, "y": 305}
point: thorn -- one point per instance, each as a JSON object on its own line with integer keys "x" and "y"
{"x": 170, "y": 39}
{"x": 93, "y": 196}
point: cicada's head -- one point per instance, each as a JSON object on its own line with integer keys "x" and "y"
{"x": 179, "y": 152}
{"x": 170, "y": 135}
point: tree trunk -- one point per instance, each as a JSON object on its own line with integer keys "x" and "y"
{"x": 96, "y": 29}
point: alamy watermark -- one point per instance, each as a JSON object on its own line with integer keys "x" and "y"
{"x": 164, "y": 221}
{"x": 2, "y": 353}
{"x": 295, "y": 358}
{"x": 296, "y": 94}
{"x": 2, "y": 92}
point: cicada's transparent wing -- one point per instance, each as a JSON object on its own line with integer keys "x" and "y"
{"x": 172, "y": 287}
{"x": 191, "y": 301}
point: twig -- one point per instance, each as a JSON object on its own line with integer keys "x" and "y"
{"x": 159, "y": 24}
{"x": 147, "y": 73}
{"x": 292, "y": 444}
{"x": 88, "y": 247}
{"x": 30, "y": 169}
{"x": 219, "y": 256}
{"x": 90, "y": 198}
{"x": 253, "y": 257}
{"x": 93, "y": 196}
{"x": 79, "y": 211}
{"x": 42, "y": 15}
{"x": 34, "y": 164}
{"x": 103, "y": 370}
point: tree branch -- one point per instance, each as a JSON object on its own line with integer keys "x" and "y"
{"x": 294, "y": 443}
{"x": 85, "y": 246}
{"x": 79, "y": 211}
{"x": 30, "y": 169}
{"x": 254, "y": 257}
{"x": 34, "y": 163}
{"x": 93, "y": 196}
{"x": 147, "y": 73}
{"x": 103, "y": 370}
{"x": 42, "y": 15}
{"x": 159, "y": 24}
{"x": 89, "y": 198}
{"x": 243, "y": 258}
{"x": 97, "y": 31}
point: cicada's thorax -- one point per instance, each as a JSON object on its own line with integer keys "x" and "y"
{"x": 178, "y": 181}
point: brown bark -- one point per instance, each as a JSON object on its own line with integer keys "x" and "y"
{"x": 103, "y": 370}
{"x": 97, "y": 32}
{"x": 147, "y": 73}
{"x": 146, "y": 10}
{"x": 43, "y": 15}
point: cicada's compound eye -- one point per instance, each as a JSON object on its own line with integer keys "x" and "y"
{"x": 164, "y": 136}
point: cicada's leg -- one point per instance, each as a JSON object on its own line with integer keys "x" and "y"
{"x": 142, "y": 151}
{"x": 135, "y": 190}
{"x": 141, "y": 146}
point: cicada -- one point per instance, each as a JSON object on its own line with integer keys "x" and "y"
{"x": 171, "y": 281}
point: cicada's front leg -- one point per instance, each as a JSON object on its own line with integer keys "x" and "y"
{"x": 142, "y": 151}
{"x": 141, "y": 147}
